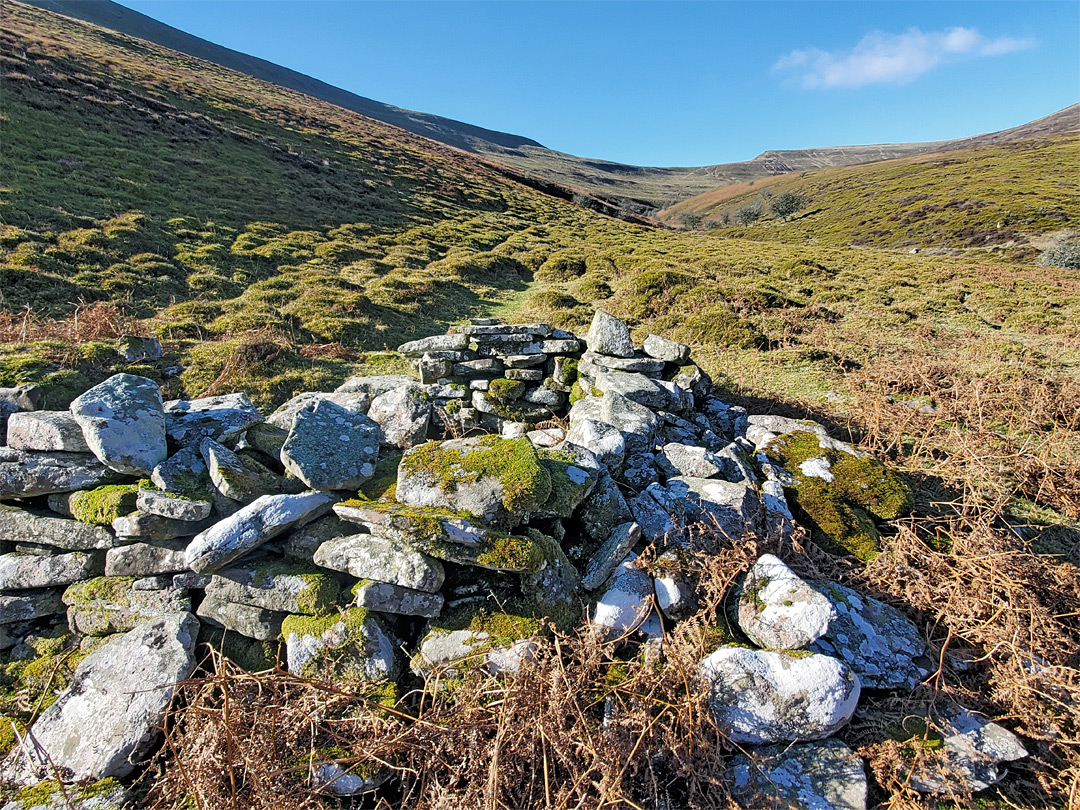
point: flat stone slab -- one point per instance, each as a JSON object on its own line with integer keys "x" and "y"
{"x": 110, "y": 715}
{"x": 605, "y": 560}
{"x": 593, "y": 364}
{"x": 24, "y": 474}
{"x": 276, "y": 585}
{"x": 237, "y": 477}
{"x": 778, "y": 610}
{"x": 676, "y": 459}
{"x": 385, "y": 597}
{"x": 972, "y": 756}
{"x": 283, "y": 417}
{"x": 26, "y": 606}
{"x": 20, "y": 526}
{"x": 734, "y": 509}
{"x": 106, "y": 605}
{"x": 46, "y": 431}
{"x": 146, "y": 559}
{"x": 168, "y": 505}
{"x": 765, "y": 696}
{"x": 247, "y": 620}
{"x": 877, "y": 641}
{"x": 635, "y": 387}
{"x": 375, "y": 385}
{"x": 330, "y": 447}
{"x": 123, "y": 422}
{"x": 188, "y": 422}
{"x": 367, "y": 556}
{"x": 145, "y": 526}
{"x": 247, "y": 529}
{"x": 434, "y": 343}
{"x": 20, "y": 572}
{"x": 825, "y": 775}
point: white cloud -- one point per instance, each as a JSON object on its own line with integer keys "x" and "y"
{"x": 881, "y": 58}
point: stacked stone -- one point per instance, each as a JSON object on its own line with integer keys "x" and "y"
{"x": 334, "y": 526}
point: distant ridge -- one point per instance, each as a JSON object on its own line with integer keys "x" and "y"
{"x": 637, "y": 189}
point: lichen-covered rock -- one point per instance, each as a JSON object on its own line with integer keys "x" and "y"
{"x": 185, "y": 473}
{"x": 876, "y": 640}
{"x": 498, "y": 480}
{"x": 349, "y": 645}
{"x": 651, "y": 512}
{"x": 302, "y": 543}
{"x": 105, "y": 794}
{"x": 106, "y": 605}
{"x": 276, "y": 585}
{"x": 669, "y": 351}
{"x": 20, "y": 572}
{"x": 434, "y": 343}
{"x": 608, "y": 335}
{"x": 261, "y": 520}
{"x": 694, "y": 462}
{"x": 24, "y": 475}
{"x": 552, "y": 590}
{"x": 824, "y": 775}
{"x": 734, "y": 509}
{"x": 374, "y": 385}
{"x": 766, "y": 696}
{"x": 147, "y": 527}
{"x": 101, "y": 726}
{"x": 625, "y": 603}
{"x": 169, "y": 505}
{"x": 403, "y": 414}
{"x": 247, "y": 620}
{"x": 635, "y": 387}
{"x": 367, "y": 556}
{"x": 136, "y": 349}
{"x": 223, "y": 418}
{"x": 605, "y": 441}
{"x": 839, "y": 491}
{"x": 637, "y": 423}
{"x": 592, "y": 364}
{"x": 21, "y": 526}
{"x": 25, "y": 606}
{"x": 237, "y": 477}
{"x": 606, "y": 559}
{"x": 778, "y": 610}
{"x": 970, "y": 755}
{"x": 385, "y": 597}
{"x": 123, "y": 422}
{"x": 330, "y": 447}
{"x": 100, "y": 506}
{"x": 146, "y": 559}
{"x": 574, "y": 472}
{"x": 604, "y": 509}
{"x": 47, "y": 431}
{"x": 473, "y": 636}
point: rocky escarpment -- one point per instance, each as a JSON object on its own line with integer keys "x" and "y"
{"x": 404, "y": 526}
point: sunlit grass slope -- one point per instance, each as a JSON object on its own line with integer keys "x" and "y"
{"x": 999, "y": 198}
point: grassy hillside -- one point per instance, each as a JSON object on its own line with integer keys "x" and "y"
{"x": 277, "y": 244}
{"x": 1005, "y": 198}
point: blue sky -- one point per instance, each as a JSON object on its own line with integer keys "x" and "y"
{"x": 673, "y": 83}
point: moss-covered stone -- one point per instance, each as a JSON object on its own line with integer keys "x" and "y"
{"x": 103, "y": 505}
{"x": 503, "y": 391}
{"x": 570, "y": 483}
{"x": 48, "y": 793}
{"x": 349, "y": 645}
{"x": 837, "y": 492}
{"x": 383, "y": 484}
{"x": 249, "y": 654}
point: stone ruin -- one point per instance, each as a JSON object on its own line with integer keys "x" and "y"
{"x": 437, "y": 522}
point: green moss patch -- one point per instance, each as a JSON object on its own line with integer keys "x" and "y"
{"x": 382, "y": 486}
{"x": 503, "y": 391}
{"x": 103, "y": 505}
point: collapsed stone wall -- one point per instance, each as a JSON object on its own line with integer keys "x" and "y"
{"x": 508, "y": 487}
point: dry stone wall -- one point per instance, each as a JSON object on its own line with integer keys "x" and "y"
{"x": 506, "y": 488}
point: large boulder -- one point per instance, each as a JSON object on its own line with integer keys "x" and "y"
{"x": 877, "y": 641}
{"x": 110, "y": 715}
{"x": 778, "y": 610}
{"x": 824, "y": 775}
{"x": 766, "y": 696}
{"x": 331, "y": 447}
{"x": 500, "y": 481}
{"x": 123, "y": 422}
{"x": 259, "y": 521}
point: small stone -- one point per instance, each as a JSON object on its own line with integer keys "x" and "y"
{"x": 667, "y": 350}
{"x": 778, "y": 610}
{"x": 123, "y": 422}
{"x": 184, "y": 473}
{"x": 524, "y": 360}
{"x": 608, "y": 335}
{"x": 351, "y": 645}
{"x": 443, "y": 651}
{"x": 559, "y": 346}
{"x": 825, "y": 775}
{"x": 674, "y": 586}
{"x": 167, "y": 505}
{"x": 146, "y": 559}
{"x": 485, "y": 367}
{"x": 25, "y": 475}
{"x": 158, "y": 583}
{"x": 20, "y": 572}
{"x": 604, "y": 440}
{"x": 302, "y": 543}
{"x": 431, "y": 369}
{"x": 366, "y": 556}
{"x": 606, "y": 559}
{"x": 238, "y": 478}
{"x": 544, "y": 396}
{"x": 765, "y": 696}
{"x": 604, "y": 509}
{"x": 258, "y": 522}
{"x": 435, "y": 343}
{"x": 188, "y": 422}
{"x": 546, "y": 437}
{"x": 386, "y": 597}
{"x": 139, "y": 349}
{"x": 657, "y": 525}
{"x": 190, "y": 581}
{"x": 100, "y": 726}
{"x": 46, "y": 431}
{"x": 253, "y": 622}
{"x": 332, "y": 779}
{"x": 625, "y": 603}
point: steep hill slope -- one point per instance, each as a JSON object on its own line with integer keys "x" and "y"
{"x": 1006, "y": 196}
{"x": 639, "y": 189}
